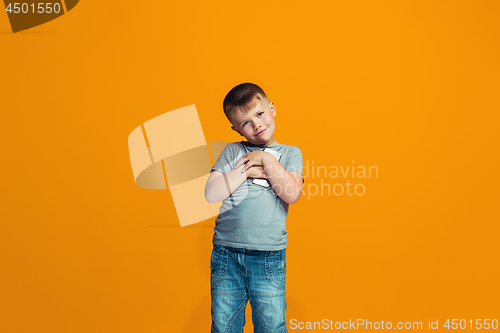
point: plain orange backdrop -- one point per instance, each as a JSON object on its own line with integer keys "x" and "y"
{"x": 409, "y": 87}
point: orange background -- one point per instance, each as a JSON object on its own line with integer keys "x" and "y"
{"x": 410, "y": 87}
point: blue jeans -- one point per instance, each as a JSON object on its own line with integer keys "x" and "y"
{"x": 240, "y": 275}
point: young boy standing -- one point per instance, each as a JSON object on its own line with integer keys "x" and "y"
{"x": 256, "y": 180}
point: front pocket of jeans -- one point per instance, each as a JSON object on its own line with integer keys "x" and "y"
{"x": 276, "y": 269}
{"x": 218, "y": 265}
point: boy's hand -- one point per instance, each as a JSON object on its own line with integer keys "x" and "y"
{"x": 252, "y": 159}
{"x": 256, "y": 172}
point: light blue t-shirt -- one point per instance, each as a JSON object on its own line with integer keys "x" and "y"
{"x": 253, "y": 217}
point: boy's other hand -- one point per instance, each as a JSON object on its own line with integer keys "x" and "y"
{"x": 252, "y": 159}
{"x": 256, "y": 172}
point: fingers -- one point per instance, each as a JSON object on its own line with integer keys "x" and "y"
{"x": 242, "y": 160}
{"x": 247, "y": 166}
{"x": 239, "y": 163}
{"x": 249, "y": 162}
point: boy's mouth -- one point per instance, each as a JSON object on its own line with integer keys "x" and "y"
{"x": 261, "y": 132}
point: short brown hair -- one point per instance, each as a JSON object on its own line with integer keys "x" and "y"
{"x": 243, "y": 97}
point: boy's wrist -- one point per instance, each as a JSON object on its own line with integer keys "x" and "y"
{"x": 268, "y": 160}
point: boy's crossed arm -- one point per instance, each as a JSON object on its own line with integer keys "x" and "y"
{"x": 220, "y": 186}
{"x": 288, "y": 185}
{"x": 257, "y": 164}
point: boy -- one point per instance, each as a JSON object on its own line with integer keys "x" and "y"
{"x": 249, "y": 244}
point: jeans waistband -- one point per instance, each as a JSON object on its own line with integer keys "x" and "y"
{"x": 242, "y": 250}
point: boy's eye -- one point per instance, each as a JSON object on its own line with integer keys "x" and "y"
{"x": 258, "y": 115}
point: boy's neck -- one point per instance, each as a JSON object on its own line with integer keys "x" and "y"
{"x": 272, "y": 143}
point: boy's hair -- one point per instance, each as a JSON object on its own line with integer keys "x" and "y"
{"x": 243, "y": 97}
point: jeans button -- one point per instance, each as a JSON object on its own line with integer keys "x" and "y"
{"x": 272, "y": 253}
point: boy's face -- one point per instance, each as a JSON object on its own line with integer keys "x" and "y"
{"x": 257, "y": 126}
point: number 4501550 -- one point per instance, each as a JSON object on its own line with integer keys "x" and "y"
{"x": 479, "y": 324}
{"x": 41, "y": 8}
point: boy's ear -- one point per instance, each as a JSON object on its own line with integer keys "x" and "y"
{"x": 236, "y": 130}
{"x": 272, "y": 108}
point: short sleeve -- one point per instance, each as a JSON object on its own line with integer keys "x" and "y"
{"x": 294, "y": 161}
{"x": 225, "y": 162}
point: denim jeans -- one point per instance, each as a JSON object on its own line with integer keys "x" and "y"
{"x": 240, "y": 275}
